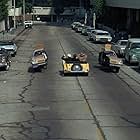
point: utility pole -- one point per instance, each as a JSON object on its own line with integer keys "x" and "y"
{"x": 23, "y": 11}
{"x": 94, "y": 20}
{"x": 14, "y": 14}
{"x": 85, "y": 18}
{"x": 33, "y": 9}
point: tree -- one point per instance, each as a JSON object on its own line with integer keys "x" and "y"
{"x": 58, "y": 7}
{"x": 98, "y": 6}
{"x": 3, "y": 9}
{"x": 28, "y": 5}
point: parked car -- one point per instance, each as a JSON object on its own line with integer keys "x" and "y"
{"x": 90, "y": 32}
{"x": 119, "y": 47}
{"x": 108, "y": 58}
{"x": 4, "y": 59}
{"x": 101, "y": 36}
{"x": 120, "y": 35}
{"x": 74, "y": 24}
{"x": 86, "y": 30}
{"x": 10, "y": 46}
{"x": 28, "y": 24}
{"x": 132, "y": 50}
{"x": 79, "y": 27}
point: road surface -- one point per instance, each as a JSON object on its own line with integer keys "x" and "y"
{"x": 45, "y": 105}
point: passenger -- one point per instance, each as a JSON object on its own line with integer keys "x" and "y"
{"x": 82, "y": 57}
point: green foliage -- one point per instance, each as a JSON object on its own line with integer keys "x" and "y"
{"x": 98, "y": 7}
{"x": 59, "y": 6}
{"x": 28, "y": 5}
{"x": 3, "y": 9}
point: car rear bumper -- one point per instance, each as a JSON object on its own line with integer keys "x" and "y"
{"x": 65, "y": 71}
{"x": 38, "y": 65}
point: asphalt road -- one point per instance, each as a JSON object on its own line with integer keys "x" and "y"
{"x": 45, "y": 105}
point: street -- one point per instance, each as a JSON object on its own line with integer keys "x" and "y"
{"x": 45, "y": 105}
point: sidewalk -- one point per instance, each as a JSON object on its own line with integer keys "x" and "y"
{"x": 12, "y": 34}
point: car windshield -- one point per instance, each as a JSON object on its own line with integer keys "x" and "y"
{"x": 89, "y": 30}
{"x": 6, "y": 43}
{"x": 38, "y": 53}
{"x": 110, "y": 53}
{"x": 102, "y": 33}
{"x": 123, "y": 42}
{"x": 135, "y": 46}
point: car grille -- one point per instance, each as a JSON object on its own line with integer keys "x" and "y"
{"x": 10, "y": 50}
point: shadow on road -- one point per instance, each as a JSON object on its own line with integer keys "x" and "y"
{"x": 105, "y": 69}
{"x": 72, "y": 74}
{"x": 31, "y": 70}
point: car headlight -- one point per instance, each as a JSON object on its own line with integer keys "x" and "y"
{"x": 3, "y": 60}
{"x": 33, "y": 61}
{"x": 133, "y": 56}
{"x": 120, "y": 62}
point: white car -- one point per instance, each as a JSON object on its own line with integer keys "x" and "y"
{"x": 10, "y": 46}
{"x": 74, "y": 24}
{"x": 28, "y": 24}
{"x": 89, "y": 33}
{"x": 119, "y": 47}
{"x": 101, "y": 36}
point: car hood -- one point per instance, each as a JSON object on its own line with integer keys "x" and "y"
{"x": 39, "y": 59}
{"x": 135, "y": 51}
{"x": 114, "y": 59}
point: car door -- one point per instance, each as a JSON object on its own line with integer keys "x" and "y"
{"x": 127, "y": 50}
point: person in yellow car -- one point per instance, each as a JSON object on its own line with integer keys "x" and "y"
{"x": 75, "y": 64}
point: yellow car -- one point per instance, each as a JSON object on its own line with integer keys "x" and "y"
{"x": 75, "y": 66}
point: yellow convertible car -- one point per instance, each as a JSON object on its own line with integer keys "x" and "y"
{"x": 75, "y": 65}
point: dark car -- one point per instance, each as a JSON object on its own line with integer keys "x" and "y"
{"x": 4, "y": 59}
{"x": 10, "y": 46}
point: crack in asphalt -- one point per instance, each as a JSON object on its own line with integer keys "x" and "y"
{"x": 91, "y": 111}
{"x": 131, "y": 122}
{"x": 41, "y": 126}
{"x": 84, "y": 95}
{"x": 25, "y": 88}
{"x": 24, "y": 129}
{"x": 2, "y": 137}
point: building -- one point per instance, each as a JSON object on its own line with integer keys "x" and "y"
{"x": 123, "y": 15}
{"x": 48, "y": 13}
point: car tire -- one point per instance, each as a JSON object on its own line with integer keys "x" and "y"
{"x": 129, "y": 60}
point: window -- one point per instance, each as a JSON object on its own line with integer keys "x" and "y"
{"x": 123, "y": 43}
{"x": 135, "y": 46}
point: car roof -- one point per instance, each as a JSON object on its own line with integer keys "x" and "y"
{"x": 134, "y": 40}
{"x": 41, "y": 49}
{"x": 101, "y": 31}
{"x": 7, "y": 42}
